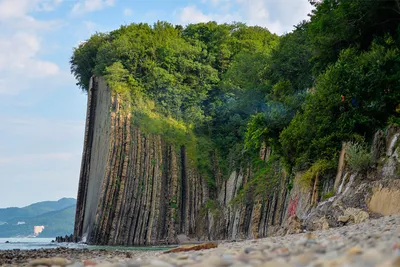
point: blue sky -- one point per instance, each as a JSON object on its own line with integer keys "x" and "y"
{"x": 42, "y": 112}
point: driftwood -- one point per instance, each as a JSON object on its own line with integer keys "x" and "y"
{"x": 192, "y": 247}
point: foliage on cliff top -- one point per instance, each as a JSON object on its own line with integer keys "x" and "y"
{"x": 302, "y": 93}
{"x": 317, "y": 170}
{"x": 359, "y": 157}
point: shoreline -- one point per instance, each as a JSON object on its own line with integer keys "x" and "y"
{"x": 18, "y": 257}
{"x": 375, "y": 242}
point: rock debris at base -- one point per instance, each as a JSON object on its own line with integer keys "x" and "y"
{"x": 373, "y": 243}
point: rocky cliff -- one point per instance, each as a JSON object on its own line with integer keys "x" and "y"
{"x": 137, "y": 189}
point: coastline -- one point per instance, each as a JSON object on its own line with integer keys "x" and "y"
{"x": 18, "y": 257}
{"x": 372, "y": 243}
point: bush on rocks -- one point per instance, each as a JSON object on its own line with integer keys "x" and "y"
{"x": 359, "y": 157}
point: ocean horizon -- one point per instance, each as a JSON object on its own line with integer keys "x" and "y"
{"x": 27, "y": 243}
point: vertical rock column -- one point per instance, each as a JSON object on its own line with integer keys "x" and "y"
{"x": 135, "y": 188}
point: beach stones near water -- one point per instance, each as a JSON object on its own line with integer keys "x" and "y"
{"x": 89, "y": 263}
{"x": 374, "y": 243}
{"x": 354, "y": 251}
{"x": 50, "y": 262}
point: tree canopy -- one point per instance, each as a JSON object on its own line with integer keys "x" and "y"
{"x": 230, "y": 88}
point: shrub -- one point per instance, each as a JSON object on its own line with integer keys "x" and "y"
{"x": 328, "y": 195}
{"x": 359, "y": 157}
{"x": 318, "y": 168}
{"x": 394, "y": 120}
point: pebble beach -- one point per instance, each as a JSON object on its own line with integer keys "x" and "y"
{"x": 372, "y": 243}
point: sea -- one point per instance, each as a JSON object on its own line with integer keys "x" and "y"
{"x": 46, "y": 243}
{"x": 34, "y": 243}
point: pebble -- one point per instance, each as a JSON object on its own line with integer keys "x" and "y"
{"x": 354, "y": 251}
{"x": 50, "y": 261}
{"x": 304, "y": 259}
{"x": 396, "y": 262}
{"x": 344, "y": 218}
{"x": 89, "y": 263}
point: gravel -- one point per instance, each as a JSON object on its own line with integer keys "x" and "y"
{"x": 373, "y": 243}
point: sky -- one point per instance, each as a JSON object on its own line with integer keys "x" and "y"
{"x": 42, "y": 111}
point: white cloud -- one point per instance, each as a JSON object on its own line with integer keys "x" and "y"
{"x": 21, "y": 36}
{"x": 128, "y": 12}
{"x": 85, "y": 6}
{"x": 19, "y": 8}
{"x": 277, "y": 16}
{"x": 191, "y": 14}
{"x": 216, "y": 3}
{"x": 49, "y": 5}
{"x": 21, "y": 57}
{"x": 257, "y": 13}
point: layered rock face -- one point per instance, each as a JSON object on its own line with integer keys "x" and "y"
{"x": 137, "y": 189}
{"x": 134, "y": 189}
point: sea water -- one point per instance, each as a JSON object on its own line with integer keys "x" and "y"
{"x": 34, "y": 243}
{"x": 46, "y": 243}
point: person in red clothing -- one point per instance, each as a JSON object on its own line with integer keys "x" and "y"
{"x": 344, "y": 104}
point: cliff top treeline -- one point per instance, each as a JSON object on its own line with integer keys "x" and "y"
{"x": 223, "y": 91}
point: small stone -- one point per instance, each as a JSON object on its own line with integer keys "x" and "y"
{"x": 307, "y": 240}
{"x": 275, "y": 263}
{"x": 217, "y": 262}
{"x": 391, "y": 263}
{"x": 89, "y": 263}
{"x": 396, "y": 262}
{"x": 320, "y": 249}
{"x": 158, "y": 263}
{"x": 50, "y": 261}
{"x": 396, "y": 249}
{"x": 310, "y": 236}
{"x": 325, "y": 225}
{"x": 182, "y": 257}
{"x": 284, "y": 252}
{"x": 344, "y": 218}
{"x": 357, "y": 215}
{"x": 256, "y": 255}
{"x": 354, "y": 251}
{"x": 334, "y": 237}
{"x": 266, "y": 246}
{"x": 239, "y": 264}
{"x": 371, "y": 256}
{"x": 134, "y": 263}
{"x": 304, "y": 259}
{"x": 242, "y": 257}
{"x": 105, "y": 265}
{"x": 248, "y": 250}
{"x": 38, "y": 262}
